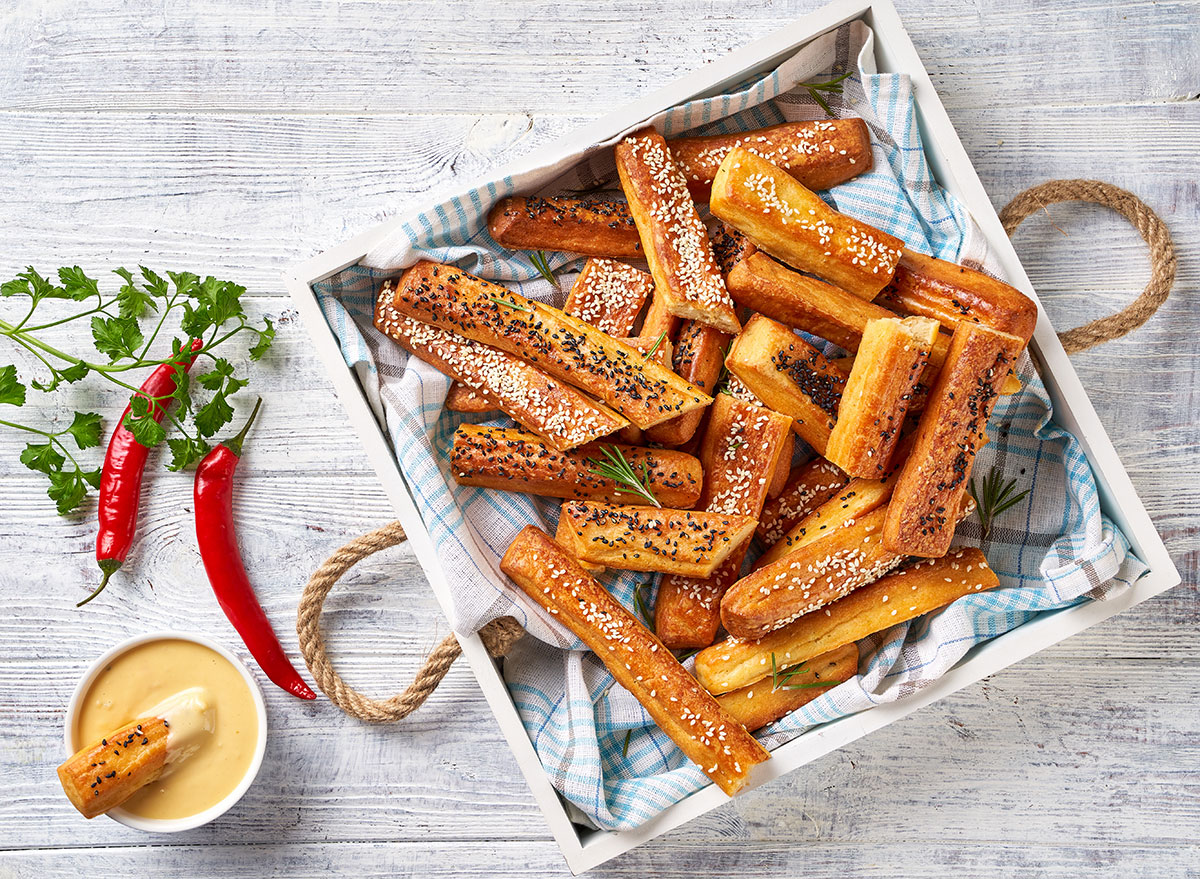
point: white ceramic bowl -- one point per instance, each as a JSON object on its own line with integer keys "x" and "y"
{"x": 174, "y": 825}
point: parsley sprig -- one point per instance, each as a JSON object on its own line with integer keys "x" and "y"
{"x": 994, "y": 496}
{"x": 126, "y": 329}
{"x": 833, "y": 85}
{"x": 617, "y": 468}
{"x": 785, "y": 679}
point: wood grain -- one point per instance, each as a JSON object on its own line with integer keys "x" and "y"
{"x": 236, "y": 140}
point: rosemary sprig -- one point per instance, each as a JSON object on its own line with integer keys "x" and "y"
{"x": 994, "y": 496}
{"x": 782, "y": 680}
{"x": 686, "y": 655}
{"x": 628, "y": 736}
{"x": 833, "y": 85}
{"x": 642, "y": 606}
{"x": 654, "y": 347}
{"x": 542, "y": 264}
{"x": 618, "y": 469}
{"x": 516, "y": 306}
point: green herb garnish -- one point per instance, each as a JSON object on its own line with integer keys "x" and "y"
{"x": 833, "y": 85}
{"x": 516, "y": 306}
{"x": 618, "y": 469}
{"x": 654, "y": 347}
{"x": 994, "y": 497}
{"x": 686, "y": 655}
{"x": 643, "y": 607}
{"x": 542, "y": 264}
{"x": 125, "y": 326}
{"x": 628, "y": 736}
{"x": 782, "y": 680}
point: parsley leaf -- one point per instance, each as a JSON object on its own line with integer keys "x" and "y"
{"x": 12, "y": 391}
{"x": 29, "y": 283}
{"x": 265, "y": 338}
{"x": 116, "y": 337}
{"x": 73, "y": 373}
{"x": 67, "y": 489}
{"x": 185, "y": 451}
{"x": 212, "y": 381}
{"x": 132, "y": 300}
{"x": 144, "y": 428}
{"x": 86, "y": 429}
{"x": 42, "y": 457}
{"x": 156, "y": 284}
{"x": 213, "y": 415}
{"x": 77, "y": 285}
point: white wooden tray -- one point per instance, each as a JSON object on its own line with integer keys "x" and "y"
{"x": 894, "y": 53}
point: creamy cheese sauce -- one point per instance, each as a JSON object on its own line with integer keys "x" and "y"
{"x": 219, "y": 722}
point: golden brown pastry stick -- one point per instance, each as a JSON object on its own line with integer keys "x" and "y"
{"x": 557, "y": 412}
{"x": 669, "y": 541}
{"x": 562, "y": 346}
{"x": 739, "y": 453}
{"x": 951, "y": 293}
{"x": 698, "y": 356}
{"x": 588, "y": 226}
{"x": 878, "y": 394}
{"x": 819, "y": 154}
{"x": 637, "y": 660}
{"x": 934, "y": 477}
{"x": 896, "y": 598}
{"x": 812, "y": 576}
{"x": 104, "y": 774}
{"x": 609, "y": 295}
{"x": 783, "y": 470}
{"x": 808, "y": 486}
{"x": 786, "y": 219}
{"x": 674, "y": 239}
{"x": 729, "y": 246}
{"x": 464, "y": 398}
{"x": 788, "y": 375}
{"x": 510, "y": 459}
{"x": 757, "y": 704}
{"x": 565, "y": 537}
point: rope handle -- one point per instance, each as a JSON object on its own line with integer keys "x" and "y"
{"x": 500, "y": 634}
{"x": 1137, "y": 212}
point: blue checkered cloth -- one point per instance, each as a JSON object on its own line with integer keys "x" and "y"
{"x": 597, "y": 744}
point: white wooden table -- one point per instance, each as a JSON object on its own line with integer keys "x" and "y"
{"x": 212, "y": 137}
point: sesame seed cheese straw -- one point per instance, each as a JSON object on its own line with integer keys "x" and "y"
{"x": 729, "y": 246}
{"x": 790, "y": 376}
{"x": 464, "y": 398}
{"x": 790, "y": 221}
{"x": 589, "y": 226}
{"x": 637, "y": 659}
{"x": 674, "y": 238}
{"x": 739, "y": 453}
{"x": 819, "y": 154}
{"x": 561, "y": 415}
{"x": 808, "y": 486}
{"x": 934, "y": 477}
{"x": 878, "y": 394}
{"x": 609, "y": 295}
{"x": 760, "y": 703}
{"x": 812, "y": 576}
{"x": 635, "y": 538}
{"x": 896, "y": 598}
{"x": 510, "y": 459}
{"x": 561, "y": 346}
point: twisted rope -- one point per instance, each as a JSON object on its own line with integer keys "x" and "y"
{"x": 500, "y": 634}
{"x": 1148, "y": 224}
{"x": 497, "y": 636}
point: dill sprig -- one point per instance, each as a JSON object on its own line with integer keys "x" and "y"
{"x": 994, "y": 496}
{"x": 655, "y": 346}
{"x": 516, "y": 306}
{"x": 618, "y": 469}
{"x": 542, "y": 264}
{"x": 783, "y": 680}
{"x": 833, "y": 85}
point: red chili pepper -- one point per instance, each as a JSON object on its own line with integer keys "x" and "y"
{"x": 121, "y": 479}
{"x": 223, "y": 563}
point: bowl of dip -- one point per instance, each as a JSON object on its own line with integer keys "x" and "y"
{"x": 225, "y": 749}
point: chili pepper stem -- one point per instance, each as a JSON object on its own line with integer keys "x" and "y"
{"x": 108, "y": 567}
{"x": 234, "y": 444}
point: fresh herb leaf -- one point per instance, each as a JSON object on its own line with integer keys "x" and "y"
{"x": 67, "y": 489}
{"x": 516, "y": 306}
{"x": 186, "y": 451}
{"x": 156, "y": 284}
{"x": 29, "y": 283}
{"x": 76, "y": 285}
{"x": 625, "y": 748}
{"x": 994, "y": 496}
{"x": 265, "y": 338}
{"x": 132, "y": 300}
{"x": 73, "y": 373}
{"x": 685, "y": 655}
{"x": 785, "y": 679}
{"x": 542, "y": 264}
{"x": 642, "y": 606}
{"x": 116, "y": 337}
{"x": 833, "y": 85}
{"x": 86, "y": 429}
{"x": 654, "y": 347}
{"x": 12, "y": 391}
{"x": 144, "y": 428}
{"x": 213, "y": 415}
{"x": 214, "y": 380}
{"x": 42, "y": 457}
{"x": 617, "y": 468}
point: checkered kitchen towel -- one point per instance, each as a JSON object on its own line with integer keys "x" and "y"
{"x": 597, "y": 744}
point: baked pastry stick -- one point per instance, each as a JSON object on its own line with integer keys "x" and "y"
{"x": 576, "y": 225}
{"x": 698, "y": 357}
{"x": 464, "y": 398}
{"x": 951, "y": 293}
{"x": 564, "y": 536}
{"x": 734, "y": 387}
{"x": 819, "y": 154}
{"x": 808, "y": 486}
{"x": 878, "y": 394}
{"x": 510, "y": 459}
{"x": 788, "y": 220}
{"x": 812, "y": 576}
{"x": 674, "y": 238}
{"x": 934, "y": 476}
{"x": 775, "y": 696}
{"x": 609, "y": 295}
{"x": 783, "y": 470}
{"x": 789, "y": 376}
{"x": 739, "y": 453}
{"x": 729, "y": 246}
{"x": 637, "y": 660}
{"x": 562, "y": 346}
{"x": 896, "y": 598}
{"x": 653, "y": 538}
{"x": 557, "y": 412}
